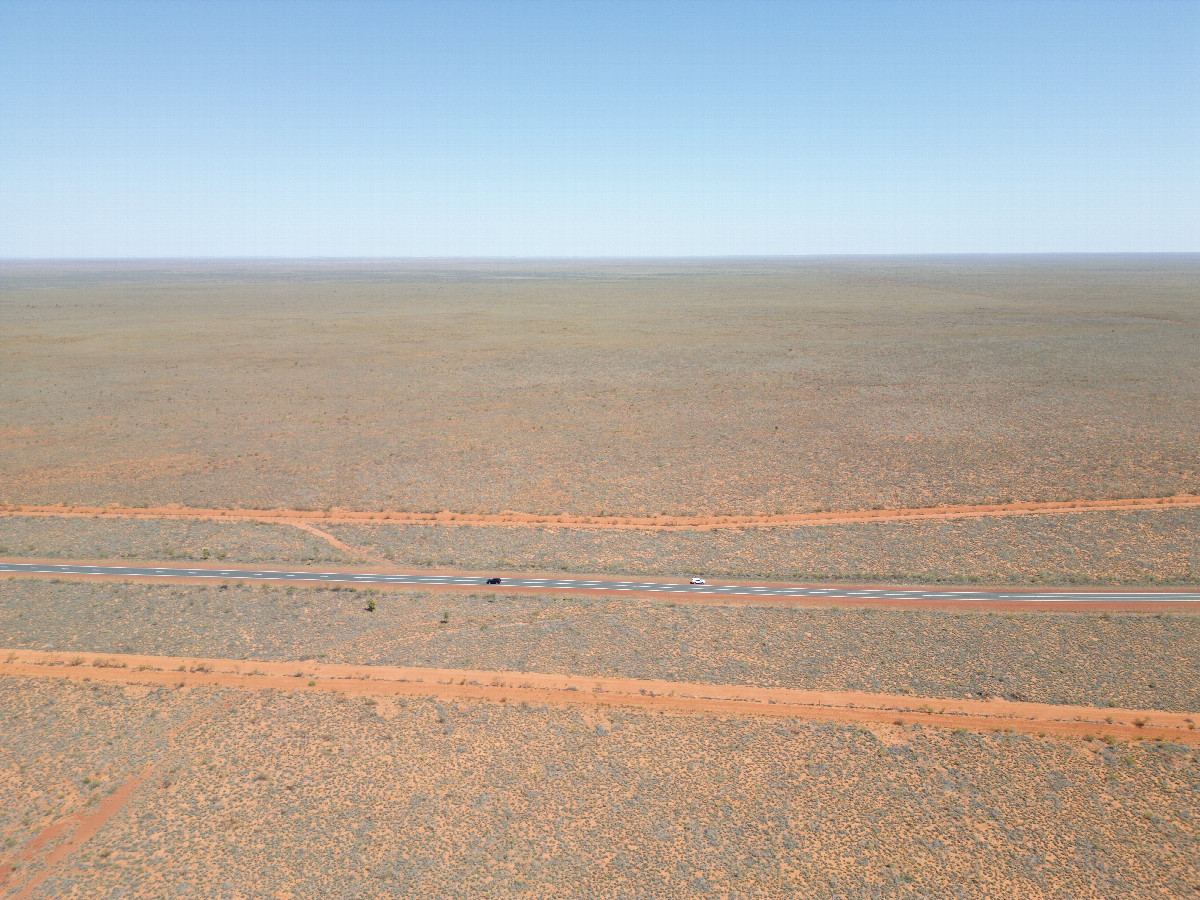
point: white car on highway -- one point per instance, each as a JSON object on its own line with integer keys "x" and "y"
{"x": 698, "y": 581}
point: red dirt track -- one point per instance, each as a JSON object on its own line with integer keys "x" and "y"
{"x": 79, "y": 827}
{"x": 576, "y": 690}
{"x": 666, "y": 523}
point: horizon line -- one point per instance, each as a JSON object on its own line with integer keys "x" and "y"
{"x": 590, "y": 257}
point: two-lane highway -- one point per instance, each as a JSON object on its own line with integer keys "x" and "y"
{"x": 573, "y": 585}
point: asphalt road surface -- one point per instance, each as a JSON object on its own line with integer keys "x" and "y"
{"x": 569, "y": 584}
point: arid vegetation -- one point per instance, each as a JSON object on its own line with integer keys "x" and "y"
{"x": 1091, "y": 548}
{"x": 321, "y": 795}
{"x": 618, "y": 388}
{"x": 1098, "y": 659}
{"x": 605, "y": 389}
{"x": 1141, "y": 547}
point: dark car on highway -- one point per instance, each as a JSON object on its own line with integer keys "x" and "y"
{"x": 493, "y": 581}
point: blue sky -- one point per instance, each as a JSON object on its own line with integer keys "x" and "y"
{"x": 605, "y": 129}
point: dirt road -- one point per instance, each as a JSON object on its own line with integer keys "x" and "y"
{"x": 674, "y": 697}
{"x": 663, "y": 523}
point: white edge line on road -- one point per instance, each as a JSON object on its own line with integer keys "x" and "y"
{"x": 645, "y": 586}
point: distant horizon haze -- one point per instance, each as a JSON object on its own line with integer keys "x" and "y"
{"x": 1003, "y": 256}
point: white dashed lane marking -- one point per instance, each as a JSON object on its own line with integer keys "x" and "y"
{"x": 746, "y": 590}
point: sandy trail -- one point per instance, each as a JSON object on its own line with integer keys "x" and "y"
{"x": 325, "y": 536}
{"x": 335, "y": 542}
{"x": 660, "y": 523}
{"x": 676, "y": 697}
{"x": 79, "y": 827}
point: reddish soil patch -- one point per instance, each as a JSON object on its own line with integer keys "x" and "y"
{"x": 572, "y": 690}
{"x": 309, "y": 793}
{"x": 80, "y": 826}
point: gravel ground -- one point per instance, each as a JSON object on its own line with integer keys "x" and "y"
{"x": 164, "y": 539}
{"x": 251, "y": 794}
{"x": 1131, "y": 660}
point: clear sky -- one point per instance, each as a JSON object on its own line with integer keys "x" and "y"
{"x": 597, "y": 129}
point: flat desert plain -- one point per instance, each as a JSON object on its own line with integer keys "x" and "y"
{"x": 993, "y": 421}
{"x": 621, "y": 389}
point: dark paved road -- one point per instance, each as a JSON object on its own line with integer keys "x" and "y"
{"x": 570, "y": 584}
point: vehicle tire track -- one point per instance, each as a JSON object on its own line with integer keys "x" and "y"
{"x": 304, "y": 519}
{"x": 676, "y": 697}
{"x": 79, "y": 828}
{"x": 335, "y": 542}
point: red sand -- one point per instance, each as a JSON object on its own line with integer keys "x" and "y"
{"x": 82, "y": 825}
{"x": 668, "y": 523}
{"x": 577, "y": 690}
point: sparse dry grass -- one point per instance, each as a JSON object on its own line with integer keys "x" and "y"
{"x": 1133, "y": 660}
{"x": 762, "y": 387}
{"x": 324, "y": 796}
{"x": 1145, "y": 547}
{"x": 1091, "y": 548}
{"x": 229, "y": 543}
{"x": 622, "y": 388}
